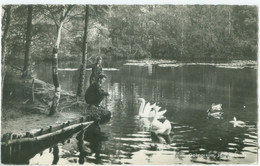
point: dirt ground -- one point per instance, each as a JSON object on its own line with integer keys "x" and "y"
{"x": 17, "y": 117}
{"x": 18, "y": 121}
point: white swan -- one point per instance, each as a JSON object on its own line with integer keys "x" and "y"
{"x": 154, "y": 105}
{"x": 144, "y": 124}
{"x": 141, "y": 108}
{"x": 161, "y": 126}
{"x": 237, "y": 123}
{"x": 146, "y": 110}
{"x": 160, "y": 114}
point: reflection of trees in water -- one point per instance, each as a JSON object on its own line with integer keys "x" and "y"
{"x": 218, "y": 136}
{"x": 186, "y": 93}
{"x": 191, "y": 90}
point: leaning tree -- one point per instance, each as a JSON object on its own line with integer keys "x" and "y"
{"x": 59, "y": 15}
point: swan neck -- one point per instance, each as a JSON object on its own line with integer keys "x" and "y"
{"x": 141, "y": 107}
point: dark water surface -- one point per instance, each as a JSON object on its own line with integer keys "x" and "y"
{"x": 186, "y": 92}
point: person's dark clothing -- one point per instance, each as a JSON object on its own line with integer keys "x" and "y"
{"x": 95, "y": 94}
{"x": 96, "y": 71}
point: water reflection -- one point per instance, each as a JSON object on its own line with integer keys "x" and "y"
{"x": 186, "y": 92}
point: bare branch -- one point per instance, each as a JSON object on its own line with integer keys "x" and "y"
{"x": 52, "y": 16}
{"x": 74, "y": 16}
{"x": 69, "y": 8}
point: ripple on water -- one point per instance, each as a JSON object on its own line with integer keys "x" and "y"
{"x": 251, "y": 136}
{"x": 139, "y": 135}
{"x": 138, "y": 139}
{"x": 250, "y": 149}
{"x": 250, "y": 142}
{"x": 232, "y": 144}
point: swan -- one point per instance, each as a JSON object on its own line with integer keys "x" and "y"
{"x": 160, "y": 113}
{"x": 237, "y": 123}
{"x": 144, "y": 124}
{"x": 146, "y": 110}
{"x": 141, "y": 108}
{"x": 154, "y": 105}
{"x": 217, "y": 115}
{"x": 160, "y": 125}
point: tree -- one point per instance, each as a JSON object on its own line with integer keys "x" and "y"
{"x": 84, "y": 53}
{"x": 28, "y": 41}
{"x": 62, "y": 13}
{"x": 6, "y": 22}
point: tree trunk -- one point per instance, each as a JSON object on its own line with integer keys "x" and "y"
{"x": 7, "y": 17}
{"x": 56, "y": 98}
{"x": 229, "y": 22}
{"x": 28, "y": 42}
{"x": 57, "y": 92}
{"x": 84, "y": 54}
{"x": 182, "y": 34}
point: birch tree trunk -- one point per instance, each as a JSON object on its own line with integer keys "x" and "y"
{"x": 57, "y": 91}
{"x": 7, "y": 17}
{"x": 56, "y": 98}
{"x": 28, "y": 42}
{"x": 84, "y": 54}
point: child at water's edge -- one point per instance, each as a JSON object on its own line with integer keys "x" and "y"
{"x": 95, "y": 94}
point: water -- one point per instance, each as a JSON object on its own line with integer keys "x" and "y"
{"x": 186, "y": 92}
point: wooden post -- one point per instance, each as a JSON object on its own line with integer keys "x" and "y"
{"x": 55, "y": 155}
{"x": 80, "y": 138}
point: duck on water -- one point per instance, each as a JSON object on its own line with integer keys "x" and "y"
{"x": 215, "y": 111}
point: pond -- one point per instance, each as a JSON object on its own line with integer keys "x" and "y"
{"x": 186, "y": 91}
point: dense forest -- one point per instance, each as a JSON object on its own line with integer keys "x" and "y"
{"x": 140, "y": 31}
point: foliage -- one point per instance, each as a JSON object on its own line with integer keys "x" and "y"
{"x": 138, "y": 31}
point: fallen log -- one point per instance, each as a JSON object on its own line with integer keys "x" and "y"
{"x": 73, "y": 128}
{"x": 19, "y": 151}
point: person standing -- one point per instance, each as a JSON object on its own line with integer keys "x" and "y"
{"x": 96, "y": 71}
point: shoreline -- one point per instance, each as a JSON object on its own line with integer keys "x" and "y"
{"x": 20, "y": 114}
